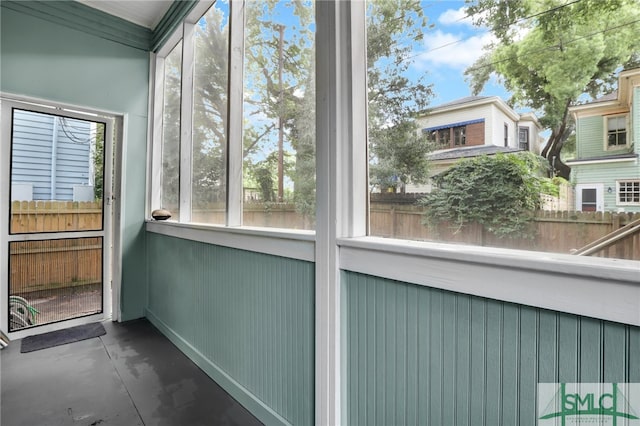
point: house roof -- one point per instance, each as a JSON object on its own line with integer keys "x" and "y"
{"x": 461, "y": 101}
{"x": 470, "y": 151}
{"x": 471, "y": 102}
{"x": 625, "y": 156}
{"x": 620, "y": 98}
{"x": 605, "y": 98}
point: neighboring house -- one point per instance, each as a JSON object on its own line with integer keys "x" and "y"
{"x": 481, "y": 120}
{"x": 606, "y": 171}
{"x": 476, "y": 125}
{"x": 51, "y": 158}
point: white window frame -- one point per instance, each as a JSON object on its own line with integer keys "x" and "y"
{"x": 606, "y": 118}
{"x": 618, "y": 183}
{"x": 460, "y": 136}
{"x": 599, "y": 187}
{"x": 154, "y": 161}
{"x": 524, "y": 130}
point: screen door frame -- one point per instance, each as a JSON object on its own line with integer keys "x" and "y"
{"x": 113, "y": 126}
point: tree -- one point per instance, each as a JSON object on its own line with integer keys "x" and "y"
{"x": 279, "y": 67}
{"x": 171, "y": 131}
{"x": 500, "y": 192}
{"x": 550, "y": 53}
{"x": 210, "y": 109}
{"x": 280, "y": 97}
{"x": 397, "y": 153}
{"x": 97, "y": 157}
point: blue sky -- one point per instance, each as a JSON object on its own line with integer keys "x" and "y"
{"x": 448, "y": 49}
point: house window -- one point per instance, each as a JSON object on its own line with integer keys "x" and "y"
{"x": 629, "y": 192}
{"x": 589, "y": 200}
{"x": 523, "y": 138}
{"x": 459, "y": 136}
{"x": 506, "y": 134}
{"x": 616, "y": 131}
{"x": 444, "y": 137}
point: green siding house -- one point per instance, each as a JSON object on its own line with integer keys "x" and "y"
{"x": 606, "y": 171}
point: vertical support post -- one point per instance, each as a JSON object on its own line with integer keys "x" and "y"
{"x": 234, "y": 130}
{"x": 341, "y": 184}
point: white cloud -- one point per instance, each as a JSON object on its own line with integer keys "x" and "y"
{"x": 451, "y": 50}
{"x": 455, "y": 17}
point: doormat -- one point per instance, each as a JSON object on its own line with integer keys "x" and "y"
{"x": 62, "y": 337}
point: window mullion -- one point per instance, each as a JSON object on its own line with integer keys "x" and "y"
{"x": 235, "y": 114}
{"x": 156, "y": 146}
{"x": 186, "y": 122}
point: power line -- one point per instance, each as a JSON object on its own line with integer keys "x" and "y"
{"x": 553, "y": 47}
{"x": 553, "y": 9}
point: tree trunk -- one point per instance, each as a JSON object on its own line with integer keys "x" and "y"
{"x": 556, "y": 141}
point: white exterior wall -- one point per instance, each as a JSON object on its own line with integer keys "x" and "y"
{"x": 457, "y": 116}
{"x": 494, "y": 129}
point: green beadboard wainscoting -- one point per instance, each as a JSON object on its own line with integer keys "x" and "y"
{"x": 418, "y": 355}
{"x": 245, "y": 318}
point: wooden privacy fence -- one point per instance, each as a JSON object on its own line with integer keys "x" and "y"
{"x": 55, "y": 216}
{"x": 42, "y": 265}
{"x": 53, "y": 264}
{"x": 272, "y": 215}
{"x": 558, "y": 232}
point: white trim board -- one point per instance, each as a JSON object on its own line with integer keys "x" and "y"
{"x": 298, "y": 245}
{"x": 608, "y": 289}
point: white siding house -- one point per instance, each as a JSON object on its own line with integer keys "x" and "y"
{"x": 51, "y": 158}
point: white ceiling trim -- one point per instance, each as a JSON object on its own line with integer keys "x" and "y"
{"x": 146, "y": 13}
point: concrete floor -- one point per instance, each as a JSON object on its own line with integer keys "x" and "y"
{"x": 131, "y": 376}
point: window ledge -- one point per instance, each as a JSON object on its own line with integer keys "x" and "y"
{"x": 596, "y": 287}
{"x": 294, "y": 244}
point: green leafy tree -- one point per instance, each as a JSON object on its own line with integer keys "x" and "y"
{"x": 171, "y": 131}
{"x": 500, "y": 192}
{"x": 397, "y": 153}
{"x": 98, "y": 163}
{"x": 210, "y": 108}
{"x": 280, "y": 95}
{"x": 549, "y": 53}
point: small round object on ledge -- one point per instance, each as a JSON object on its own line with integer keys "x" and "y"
{"x": 161, "y": 214}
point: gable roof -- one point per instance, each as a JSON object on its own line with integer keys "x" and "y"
{"x": 471, "y": 102}
{"x": 620, "y": 98}
{"x": 470, "y": 151}
{"x": 461, "y": 101}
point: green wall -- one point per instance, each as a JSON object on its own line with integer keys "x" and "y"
{"x": 417, "y": 355}
{"x": 53, "y": 62}
{"x": 245, "y": 318}
{"x": 607, "y": 174}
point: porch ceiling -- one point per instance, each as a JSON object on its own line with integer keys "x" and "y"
{"x": 146, "y": 13}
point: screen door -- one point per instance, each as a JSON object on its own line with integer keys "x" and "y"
{"x": 57, "y": 215}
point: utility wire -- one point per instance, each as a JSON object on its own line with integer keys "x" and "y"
{"x": 507, "y": 25}
{"x": 554, "y": 47}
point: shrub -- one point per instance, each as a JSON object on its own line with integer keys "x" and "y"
{"x": 501, "y": 192}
